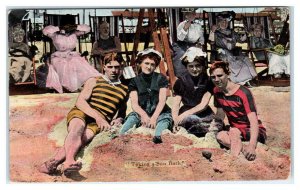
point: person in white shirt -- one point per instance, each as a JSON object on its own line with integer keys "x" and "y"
{"x": 189, "y": 34}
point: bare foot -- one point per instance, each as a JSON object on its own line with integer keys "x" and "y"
{"x": 74, "y": 167}
{"x": 49, "y": 167}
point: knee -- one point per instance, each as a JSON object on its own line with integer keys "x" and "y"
{"x": 234, "y": 132}
{"x": 76, "y": 126}
{"x": 222, "y": 136}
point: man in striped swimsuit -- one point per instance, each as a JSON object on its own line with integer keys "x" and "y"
{"x": 237, "y": 103}
{"x": 97, "y": 104}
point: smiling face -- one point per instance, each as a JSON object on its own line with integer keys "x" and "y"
{"x": 195, "y": 68}
{"x": 219, "y": 78}
{"x": 18, "y": 34}
{"x": 148, "y": 65}
{"x": 113, "y": 70}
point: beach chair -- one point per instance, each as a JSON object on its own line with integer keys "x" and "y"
{"x": 210, "y": 19}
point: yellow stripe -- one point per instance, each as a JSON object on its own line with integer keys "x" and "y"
{"x": 100, "y": 79}
{"x": 115, "y": 87}
{"x": 111, "y": 92}
{"x": 102, "y": 107}
{"x": 124, "y": 93}
{"x": 106, "y": 96}
{"x": 105, "y": 102}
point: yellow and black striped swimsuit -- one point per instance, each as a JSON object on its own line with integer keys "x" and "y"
{"x": 106, "y": 98}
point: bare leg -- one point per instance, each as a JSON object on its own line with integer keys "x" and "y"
{"x": 50, "y": 166}
{"x": 223, "y": 138}
{"x": 236, "y": 142}
{"x": 60, "y": 156}
{"x": 75, "y": 140}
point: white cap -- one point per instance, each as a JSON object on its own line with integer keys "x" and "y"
{"x": 193, "y": 52}
{"x": 149, "y": 50}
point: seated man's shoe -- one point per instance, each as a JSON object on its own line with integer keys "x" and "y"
{"x": 157, "y": 139}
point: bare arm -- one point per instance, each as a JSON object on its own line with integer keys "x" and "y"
{"x": 96, "y": 50}
{"x": 160, "y": 106}
{"x": 121, "y": 113}
{"x": 201, "y": 106}
{"x": 249, "y": 150}
{"x": 137, "y": 108}
{"x": 220, "y": 114}
{"x": 83, "y": 105}
{"x": 175, "y": 111}
{"x": 118, "y": 44}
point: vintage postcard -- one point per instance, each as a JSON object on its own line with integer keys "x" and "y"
{"x": 84, "y": 106}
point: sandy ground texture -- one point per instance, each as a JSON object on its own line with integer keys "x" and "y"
{"x": 38, "y": 128}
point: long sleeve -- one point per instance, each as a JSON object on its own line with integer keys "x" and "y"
{"x": 181, "y": 33}
{"x": 83, "y": 28}
{"x": 50, "y": 30}
{"x": 192, "y": 35}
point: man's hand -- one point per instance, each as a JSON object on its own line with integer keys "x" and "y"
{"x": 116, "y": 122}
{"x": 249, "y": 152}
{"x": 103, "y": 125}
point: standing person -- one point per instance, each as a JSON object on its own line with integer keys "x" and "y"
{"x": 238, "y": 104}
{"x": 148, "y": 94}
{"x": 97, "y": 104}
{"x": 67, "y": 69}
{"x": 279, "y": 63}
{"x": 189, "y": 34}
{"x": 194, "y": 90}
{"x": 105, "y": 44}
{"x": 242, "y": 70}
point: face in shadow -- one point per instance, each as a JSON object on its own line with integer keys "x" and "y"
{"x": 223, "y": 24}
{"x": 104, "y": 29}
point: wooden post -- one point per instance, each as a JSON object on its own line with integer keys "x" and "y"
{"x": 167, "y": 55}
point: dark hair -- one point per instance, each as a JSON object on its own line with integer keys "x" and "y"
{"x": 67, "y": 20}
{"x": 199, "y": 59}
{"x": 150, "y": 55}
{"x": 219, "y": 64}
{"x": 113, "y": 57}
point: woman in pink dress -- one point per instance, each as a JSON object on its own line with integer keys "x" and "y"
{"x": 67, "y": 68}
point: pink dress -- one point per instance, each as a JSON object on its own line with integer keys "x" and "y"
{"x": 67, "y": 69}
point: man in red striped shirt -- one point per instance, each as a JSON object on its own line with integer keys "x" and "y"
{"x": 237, "y": 103}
